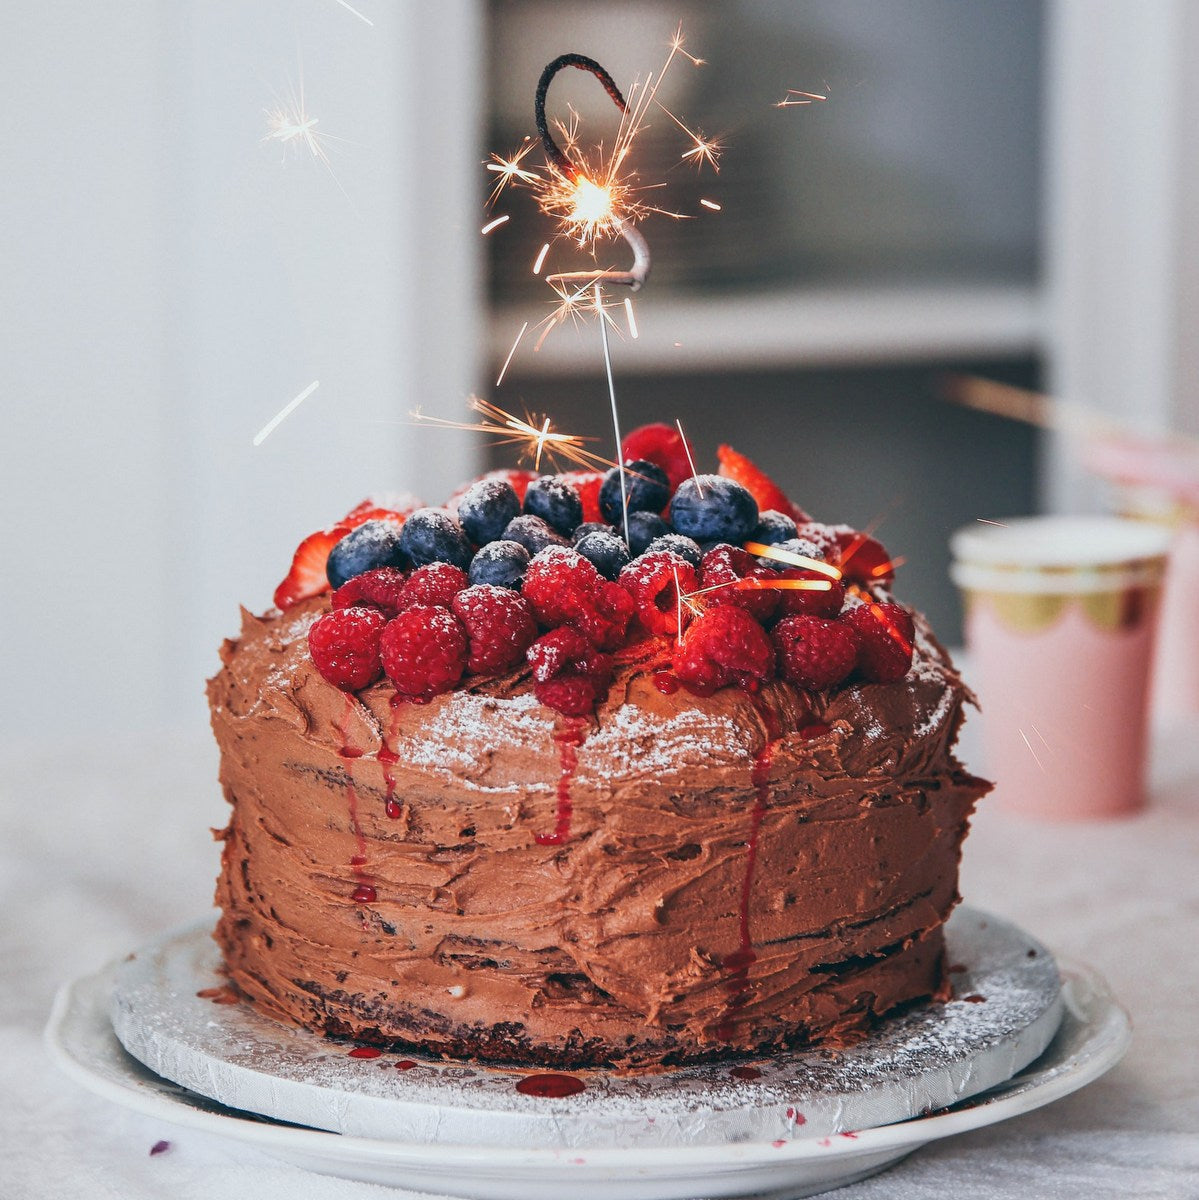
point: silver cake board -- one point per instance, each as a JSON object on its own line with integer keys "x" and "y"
{"x": 926, "y": 1058}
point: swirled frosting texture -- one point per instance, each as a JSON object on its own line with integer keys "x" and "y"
{"x": 676, "y": 878}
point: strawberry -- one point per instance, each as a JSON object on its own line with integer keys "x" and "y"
{"x": 736, "y": 466}
{"x": 664, "y": 446}
{"x": 587, "y": 484}
{"x": 863, "y": 559}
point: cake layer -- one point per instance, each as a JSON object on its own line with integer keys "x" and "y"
{"x": 674, "y": 878}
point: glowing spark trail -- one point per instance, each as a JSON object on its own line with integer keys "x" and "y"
{"x": 351, "y": 8}
{"x": 711, "y": 204}
{"x": 540, "y": 260}
{"x": 504, "y": 368}
{"x": 628, "y": 308}
{"x": 792, "y": 559}
{"x": 795, "y": 97}
{"x": 281, "y": 416}
{"x": 494, "y": 224}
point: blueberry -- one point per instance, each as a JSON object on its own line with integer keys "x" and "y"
{"x": 794, "y": 546}
{"x": 432, "y": 535}
{"x": 645, "y": 527}
{"x": 486, "y": 509}
{"x": 605, "y": 551}
{"x": 502, "y": 564}
{"x": 646, "y": 484}
{"x": 773, "y": 527}
{"x": 581, "y": 531}
{"x": 712, "y": 508}
{"x": 532, "y": 533}
{"x": 373, "y": 544}
{"x": 684, "y": 547}
{"x": 555, "y": 502}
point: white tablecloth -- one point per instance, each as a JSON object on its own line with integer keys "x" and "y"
{"x": 103, "y": 847}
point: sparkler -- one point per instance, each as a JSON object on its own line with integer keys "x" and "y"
{"x": 533, "y": 433}
{"x": 291, "y": 125}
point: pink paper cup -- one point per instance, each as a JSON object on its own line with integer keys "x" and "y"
{"x": 1061, "y": 614}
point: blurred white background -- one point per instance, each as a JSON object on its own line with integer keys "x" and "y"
{"x": 171, "y": 278}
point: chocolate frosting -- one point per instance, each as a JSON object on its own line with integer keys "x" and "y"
{"x": 675, "y": 878}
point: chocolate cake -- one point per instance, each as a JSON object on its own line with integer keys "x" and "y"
{"x": 606, "y": 840}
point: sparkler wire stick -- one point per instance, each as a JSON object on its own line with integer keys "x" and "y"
{"x": 639, "y": 272}
{"x": 624, "y": 495}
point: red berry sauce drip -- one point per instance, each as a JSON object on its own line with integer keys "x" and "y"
{"x": 666, "y": 682}
{"x": 388, "y": 757}
{"x": 159, "y": 1148}
{"x": 815, "y": 730}
{"x": 364, "y": 893}
{"x": 739, "y": 962}
{"x": 553, "y": 1087}
{"x": 405, "y": 1064}
{"x": 365, "y": 1052}
{"x": 747, "y": 1073}
{"x": 569, "y": 737}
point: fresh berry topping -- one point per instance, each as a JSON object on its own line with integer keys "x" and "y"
{"x": 555, "y": 502}
{"x": 767, "y": 493}
{"x": 822, "y": 536}
{"x": 569, "y": 673}
{"x": 558, "y": 650}
{"x": 381, "y": 588}
{"x": 581, "y": 531}
{"x": 374, "y": 544}
{"x": 663, "y": 445}
{"x": 486, "y": 509}
{"x": 519, "y": 480}
{"x": 709, "y": 508}
{"x": 824, "y": 598}
{"x": 433, "y": 584}
{"x": 863, "y": 560}
{"x": 432, "y": 535}
{"x": 605, "y": 551}
{"x": 654, "y": 581}
{"x": 395, "y": 505}
{"x": 502, "y": 564}
{"x": 773, "y": 527}
{"x": 307, "y": 576}
{"x": 885, "y": 634}
{"x": 647, "y": 489}
{"x": 722, "y": 570}
{"x": 532, "y": 533}
{"x": 607, "y": 619}
{"x": 644, "y": 528}
{"x": 499, "y": 624}
{"x": 344, "y": 645}
{"x": 587, "y": 484}
{"x": 724, "y": 645}
{"x": 676, "y": 543}
{"x": 814, "y": 653}
{"x": 564, "y": 588}
{"x": 424, "y": 651}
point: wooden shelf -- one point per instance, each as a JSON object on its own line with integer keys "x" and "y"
{"x": 794, "y": 328}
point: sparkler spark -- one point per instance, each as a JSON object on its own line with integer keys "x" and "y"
{"x": 495, "y": 224}
{"x": 285, "y": 412}
{"x": 534, "y": 434}
{"x": 711, "y": 204}
{"x": 504, "y": 368}
{"x": 291, "y": 125}
{"x": 630, "y": 317}
{"x": 351, "y": 8}
{"x": 793, "y": 560}
{"x": 796, "y": 97}
{"x": 540, "y": 260}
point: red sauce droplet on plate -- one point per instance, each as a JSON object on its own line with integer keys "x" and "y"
{"x": 405, "y": 1064}
{"x": 159, "y": 1148}
{"x": 365, "y": 1052}
{"x": 364, "y": 894}
{"x": 554, "y": 1087}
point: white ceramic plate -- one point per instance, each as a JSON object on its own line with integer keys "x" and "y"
{"x": 1093, "y": 1036}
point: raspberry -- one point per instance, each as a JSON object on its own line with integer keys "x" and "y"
{"x": 862, "y": 558}
{"x": 654, "y": 581}
{"x": 560, "y": 584}
{"x": 587, "y": 484}
{"x": 662, "y": 445}
{"x": 768, "y": 494}
{"x": 885, "y": 634}
{"x": 723, "y": 567}
{"x": 725, "y": 645}
{"x": 569, "y": 673}
{"x": 381, "y": 588}
{"x": 823, "y": 537}
{"x": 814, "y": 653}
{"x": 606, "y": 621}
{"x": 499, "y": 624}
{"x": 823, "y": 601}
{"x": 424, "y": 651}
{"x": 344, "y": 645}
{"x": 435, "y": 584}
